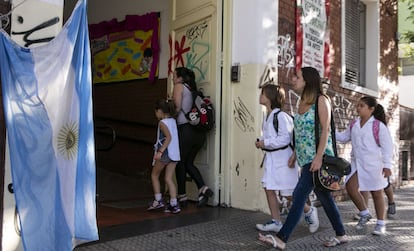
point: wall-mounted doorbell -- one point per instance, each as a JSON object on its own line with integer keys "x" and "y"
{"x": 235, "y": 73}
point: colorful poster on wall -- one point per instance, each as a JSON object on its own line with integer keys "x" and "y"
{"x": 125, "y": 50}
{"x": 312, "y": 35}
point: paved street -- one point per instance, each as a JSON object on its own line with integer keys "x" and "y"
{"x": 236, "y": 231}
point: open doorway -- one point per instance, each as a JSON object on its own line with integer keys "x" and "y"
{"x": 125, "y": 125}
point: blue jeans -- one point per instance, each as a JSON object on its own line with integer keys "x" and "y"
{"x": 300, "y": 195}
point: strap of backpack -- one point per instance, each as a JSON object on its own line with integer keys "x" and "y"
{"x": 193, "y": 94}
{"x": 276, "y": 121}
{"x": 375, "y": 129}
{"x": 317, "y": 128}
{"x": 352, "y": 123}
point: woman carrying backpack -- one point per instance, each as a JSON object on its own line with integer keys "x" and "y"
{"x": 371, "y": 160}
{"x": 191, "y": 140}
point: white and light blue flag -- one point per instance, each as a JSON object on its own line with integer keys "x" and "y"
{"x": 48, "y": 108}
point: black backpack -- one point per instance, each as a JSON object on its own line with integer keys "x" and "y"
{"x": 201, "y": 114}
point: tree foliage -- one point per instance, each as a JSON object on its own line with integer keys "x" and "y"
{"x": 409, "y": 35}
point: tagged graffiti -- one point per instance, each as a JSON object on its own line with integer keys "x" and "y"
{"x": 242, "y": 116}
{"x": 286, "y": 51}
{"x": 39, "y": 27}
{"x": 268, "y": 76}
{"x": 197, "y": 31}
{"x": 191, "y": 49}
{"x": 341, "y": 106}
{"x": 294, "y": 100}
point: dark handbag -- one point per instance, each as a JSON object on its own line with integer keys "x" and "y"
{"x": 331, "y": 175}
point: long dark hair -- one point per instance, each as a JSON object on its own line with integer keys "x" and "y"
{"x": 188, "y": 77}
{"x": 378, "y": 112}
{"x": 313, "y": 86}
{"x": 275, "y": 94}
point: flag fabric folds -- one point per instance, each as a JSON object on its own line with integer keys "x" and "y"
{"x": 48, "y": 108}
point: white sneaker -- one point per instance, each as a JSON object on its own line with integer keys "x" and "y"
{"x": 312, "y": 219}
{"x": 379, "y": 230}
{"x": 273, "y": 226}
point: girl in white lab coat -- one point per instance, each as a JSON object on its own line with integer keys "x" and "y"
{"x": 278, "y": 176}
{"x": 371, "y": 160}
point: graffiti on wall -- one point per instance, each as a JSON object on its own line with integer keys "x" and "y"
{"x": 269, "y": 75}
{"x": 242, "y": 116}
{"x": 341, "y": 107}
{"x": 293, "y": 100}
{"x": 286, "y": 55}
{"x": 42, "y": 26}
{"x": 191, "y": 49}
{"x": 285, "y": 61}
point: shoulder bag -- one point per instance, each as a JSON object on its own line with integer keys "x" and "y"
{"x": 331, "y": 175}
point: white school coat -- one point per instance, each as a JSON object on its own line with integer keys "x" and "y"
{"x": 277, "y": 175}
{"x": 367, "y": 157}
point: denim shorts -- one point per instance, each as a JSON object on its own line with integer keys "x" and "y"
{"x": 164, "y": 157}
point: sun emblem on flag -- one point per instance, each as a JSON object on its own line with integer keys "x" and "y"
{"x": 67, "y": 141}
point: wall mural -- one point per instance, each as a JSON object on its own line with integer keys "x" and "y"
{"x": 125, "y": 50}
{"x": 191, "y": 49}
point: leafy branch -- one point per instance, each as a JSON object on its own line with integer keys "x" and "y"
{"x": 409, "y": 35}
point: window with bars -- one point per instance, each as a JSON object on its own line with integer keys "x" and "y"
{"x": 355, "y": 37}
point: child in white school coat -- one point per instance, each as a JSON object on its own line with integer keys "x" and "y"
{"x": 278, "y": 176}
{"x": 371, "y": 162}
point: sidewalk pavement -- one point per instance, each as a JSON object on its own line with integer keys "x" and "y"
{"x": 236, "y": 231}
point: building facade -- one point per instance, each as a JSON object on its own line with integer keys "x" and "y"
{"x": 234, "y": 46}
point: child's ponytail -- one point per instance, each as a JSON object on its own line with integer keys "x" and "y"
{"x": 379, "y": 113}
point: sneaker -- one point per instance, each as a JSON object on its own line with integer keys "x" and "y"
{"x": 379, "y": 230}
{"x": 203, "y": 197}
{"x": 156, "y": 204}
{"x": 172, "y": 209}
{"x": 312, "y": 219}
{"x": 362, "y": 222}
{"x": 182, "y": 200}
{"x": 391, "y": 209}
{"x": 356, "y": 217}
{"x": 272, "y": 225}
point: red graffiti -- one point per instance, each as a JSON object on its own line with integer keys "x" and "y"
{"x": 180, "y": 50}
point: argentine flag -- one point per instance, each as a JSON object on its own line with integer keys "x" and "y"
{"x": 48, "y": 109}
